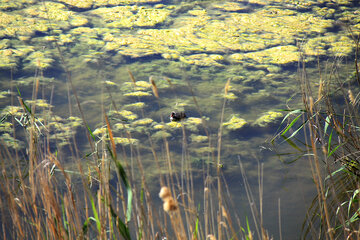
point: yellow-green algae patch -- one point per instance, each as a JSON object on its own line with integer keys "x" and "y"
{"x": 194, "y": 120}
{"x": 139, "y": 86}
{"x": 192, "y": 39}
{"x": 40, "y": 59}
{"x": 159, "y": 126}
{"x": 174, "y": 124}
{"x": 86, "y": 4}
{"x": 202, "y": 59}
{"x": 137, "y": 94}
{"x": 50, "y": 10}
{"x": 125, "y": 141}
{"x": 137, "y": 105}
{"x": 235, "y": 122}
{"x": 39, "y": 103}
{"x": 14, "y": 4}
{"x": 276, "y": 55}
{"x": 15, "y": 25}
{"x": 144, "y": 121}
{"x": 10, "y": 141}
{"x": 198, "y": 138}
{"x": 267, "y": 118}
{"x": 131, "y": 16}
{"x": 127, "y": 114}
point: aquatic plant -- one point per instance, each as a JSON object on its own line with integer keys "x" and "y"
{"x": 125, "y": 141}
{"x": 138, "y": 105}
{"x": 174, "y": 124}
{"x": 131, "y": 16}
{"x": 144, "y": 121}
{"x": 198, "y": 138}
{"x": 138, "y": 94}
{"x": 15, "y": 4}
{"x": 124, "y": 114}
{"x": 54, "y": 11}
{"x": 275, "y": 55}
{"x": 39, "y": 60}
{"x": 235, "y": 122}
{"x": 229, "y": 6}
{"x": 268, "y": 118}
{"x": 10, "y": 142}
{"x": 87, "y": 4}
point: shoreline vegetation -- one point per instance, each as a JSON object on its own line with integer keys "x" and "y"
{"x": 106, "y": 193}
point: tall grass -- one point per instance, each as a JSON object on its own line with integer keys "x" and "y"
{"x": 41, "y": 198}
{"x": 329, "y": 122}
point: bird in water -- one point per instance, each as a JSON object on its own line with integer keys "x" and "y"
{"x": 175, "y": 117}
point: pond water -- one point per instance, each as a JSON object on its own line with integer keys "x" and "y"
{"x": 210, "y": 59}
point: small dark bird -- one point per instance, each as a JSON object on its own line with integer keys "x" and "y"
{"x": 175, "y": 117}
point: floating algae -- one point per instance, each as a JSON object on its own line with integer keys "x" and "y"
{"x": 131, "y": 16}
{"x": 268, "y": 118}
{"x": 235, "y": 122}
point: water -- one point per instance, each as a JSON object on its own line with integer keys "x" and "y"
{"x": 190, "y": 50}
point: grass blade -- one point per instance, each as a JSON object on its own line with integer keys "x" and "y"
{"x": 291, "y": 124}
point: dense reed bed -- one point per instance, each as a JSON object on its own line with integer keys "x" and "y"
{"x": 104, "y": 194}
{"x": 326, "y": 132}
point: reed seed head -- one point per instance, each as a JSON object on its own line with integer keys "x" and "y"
{"x": 154, "y": 88}
{"x": 351, "y": 97}
{"x": 227, "y": 86}
{"x": 311, "y": 105}
{"x": 132, "y": 77}
{"x": 320, "y": 93}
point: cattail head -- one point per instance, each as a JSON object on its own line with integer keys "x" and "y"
{"x": 169, "y": 205}
{"x": 164, "y": 193}
{"x": 169, "y": 202}
{"x": 210, "y": 237}
{"x": 154, "y": 88}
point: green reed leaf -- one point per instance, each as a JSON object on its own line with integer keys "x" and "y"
{"x": 123, "y": 228}
{"x": 327, "y": 120}
{"x": 291, "y": 124}
{"x": 96, "y": 216}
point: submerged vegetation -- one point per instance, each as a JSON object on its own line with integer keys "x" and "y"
{"x": 111, "y": 72}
